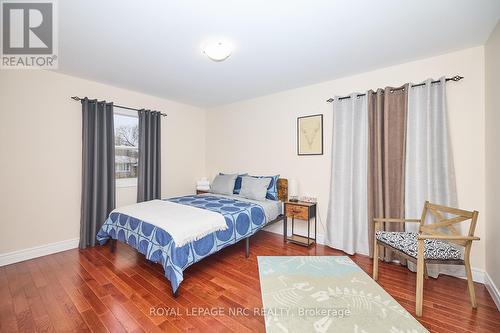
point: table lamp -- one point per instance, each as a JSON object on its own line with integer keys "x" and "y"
{"x": 293, "y": 190}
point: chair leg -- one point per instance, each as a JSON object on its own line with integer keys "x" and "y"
{"x": 470, "y": 281}
{"x": 420, "y": 278}
{"x": 426, "y": 275}
{"x": 375, "y": 260}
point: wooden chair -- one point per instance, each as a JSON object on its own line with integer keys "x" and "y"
{"x": 430, "y": 245}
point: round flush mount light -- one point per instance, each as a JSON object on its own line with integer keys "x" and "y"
{"x": 217, "y": 50}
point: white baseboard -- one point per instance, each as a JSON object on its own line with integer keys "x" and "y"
{"x": 320, "y": 238}
{"x": 478, "y": 275}
{"x": 38, "y": 251}
{"x": 492, "y": 289}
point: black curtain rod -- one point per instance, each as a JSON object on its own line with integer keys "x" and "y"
{"x": 455, "y": 78}
{"x": 76, "y": 98}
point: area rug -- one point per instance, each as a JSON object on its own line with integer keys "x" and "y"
{"x": 327, "y": 294}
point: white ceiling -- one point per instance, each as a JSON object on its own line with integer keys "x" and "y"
{"x": 154, "y": 46}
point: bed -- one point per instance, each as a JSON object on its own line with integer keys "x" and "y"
{"x": 243, "y": 217}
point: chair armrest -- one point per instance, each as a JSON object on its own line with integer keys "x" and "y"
{"x": 448, "y": 237}
{"x": 377, "y": 219}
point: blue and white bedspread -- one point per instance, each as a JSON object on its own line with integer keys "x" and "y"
{"x": 243, "y": 219}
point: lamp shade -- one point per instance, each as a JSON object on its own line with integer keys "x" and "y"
{"x": 218, "y": 51}
{"x": 293, "y": 188}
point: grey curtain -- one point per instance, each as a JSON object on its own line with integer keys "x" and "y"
{"x": 430, "y": 173}
{"x": 149, "y": 168}
{"x": 387, "y": 113}
{"x": 347, "y": 209}
{"x": 98, "y": 168}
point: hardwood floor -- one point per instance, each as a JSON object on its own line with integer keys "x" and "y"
{"x": 96, "y": 290}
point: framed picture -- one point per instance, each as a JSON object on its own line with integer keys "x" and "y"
{"x": 310, "y": 135}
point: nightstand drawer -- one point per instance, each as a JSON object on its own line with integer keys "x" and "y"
{"x": 298, "y": 212}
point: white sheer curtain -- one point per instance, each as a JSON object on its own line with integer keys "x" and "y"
{"x": 430, "y": 174}
{"x": 347, "y": 209}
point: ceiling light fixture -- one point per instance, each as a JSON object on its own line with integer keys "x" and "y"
{"x": 218, "y": 51}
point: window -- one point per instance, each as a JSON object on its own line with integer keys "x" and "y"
{"x": 126, "y": 147}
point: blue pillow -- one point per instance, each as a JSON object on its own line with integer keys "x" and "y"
{"x": 237, "y": 183}
{"x": 272, "y": 189}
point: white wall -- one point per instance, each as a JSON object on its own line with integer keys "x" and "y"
{"x": 492, "y": 56}
{"x": 259, "y": 135}
{"x": 126, "y": 195}
{"x": 40, "y": 131}
{"x": 40, "y": 169}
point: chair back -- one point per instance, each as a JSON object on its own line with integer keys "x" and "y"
{"x": 446, "y": 225}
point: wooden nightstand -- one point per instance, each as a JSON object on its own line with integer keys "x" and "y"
{"x": 201, "y": 192}
{"x": 302, "y": 211}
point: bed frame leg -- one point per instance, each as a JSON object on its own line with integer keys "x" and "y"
{"x": 247, "y": 247}
{"x": 112, "y": 245}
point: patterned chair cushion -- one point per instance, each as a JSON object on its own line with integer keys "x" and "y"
{"x": 406, "y": 242}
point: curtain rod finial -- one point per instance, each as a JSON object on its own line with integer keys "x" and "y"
{"x": 76, "y": 98}
{"x": 457, "y": 78}
{"x": 329, "y": 100}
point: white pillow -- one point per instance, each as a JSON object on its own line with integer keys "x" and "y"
{"x": 254, "y": 188}
{"x": 223, "y": 184}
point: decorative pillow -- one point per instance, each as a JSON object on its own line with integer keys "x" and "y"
{"x": 237, "y": 184}
{"x": 272, "y": 189}
{"x": 223, "y": 184}
{"x": 254, "y": 188}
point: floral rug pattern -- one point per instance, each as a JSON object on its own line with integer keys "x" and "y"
{"x": 327, "y": 294}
